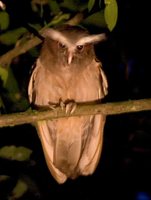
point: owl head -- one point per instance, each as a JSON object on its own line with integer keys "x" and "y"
{"x": 68, "y": 47}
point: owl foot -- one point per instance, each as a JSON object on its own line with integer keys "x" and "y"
{"x": 52, "y": 106}
{"x": 69, "y": 107}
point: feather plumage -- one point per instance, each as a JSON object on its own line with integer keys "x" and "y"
{"x": 72, "y": 146}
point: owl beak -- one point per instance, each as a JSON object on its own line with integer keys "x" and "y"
{"x": 70, "y": 56}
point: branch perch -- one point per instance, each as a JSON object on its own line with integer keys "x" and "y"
{"x": 82, "y": 109}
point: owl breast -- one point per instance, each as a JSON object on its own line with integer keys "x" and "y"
{"x": 82, "y": 87}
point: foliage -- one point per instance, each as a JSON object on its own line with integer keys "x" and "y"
{"x": 110, "y": 13}
{"x": 20, "y": 188}
{"x": 15, "y": 153}
{"x": 15, "y": 25}
{"x": 19, "y": 19}
{"x": 127, "y": 145}
{"x": 42, "y": 9}
{"x": 18, "y": 154}
{"x": 11, "y": 36}
{"x": 4, "y": 20}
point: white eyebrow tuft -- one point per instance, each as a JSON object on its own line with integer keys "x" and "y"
{"x": 56, "y": 35}
{"x": 91, "y": 39}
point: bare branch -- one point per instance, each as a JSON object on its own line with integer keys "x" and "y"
{"x": 82, "y": 109}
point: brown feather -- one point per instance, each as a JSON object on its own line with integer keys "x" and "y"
{"x": 72, "y": 146}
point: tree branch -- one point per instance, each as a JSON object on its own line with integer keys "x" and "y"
{"x": 6, "y": 59}
{"x": 82, "y": 109}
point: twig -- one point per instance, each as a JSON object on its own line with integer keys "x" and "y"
{"x": 6, "y": 59}
{"x": 84, "y": 109}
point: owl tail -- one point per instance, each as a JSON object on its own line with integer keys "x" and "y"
{"x": 62, "y": 154}
{"x": 75, "y": 146}
{"x": 67, "y": 153}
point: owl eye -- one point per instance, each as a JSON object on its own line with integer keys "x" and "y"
{"x": 80, "y": 47}
{"x": 61, "y": 45}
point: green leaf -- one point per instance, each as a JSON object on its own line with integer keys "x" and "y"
{"x": 59, "y": 19}
{"x": 111, "y": 13}
{"x": 90, "y": 4}
{"x": 96, "y": 19}
{"x": 73, "y": 5}
{"x": 4, "y": 178}
{"x": 12, "y": 95}
{"x": 10, "y": 84}
{"x": 10, "y": 37}
{"x": 54, "y": 6}
{"x": 3, "y": 75}
{"x": 15, "y": 153}
{"x": 19, "y": 190}
{"x": 4, "y": 20}
{"x": 69, "y": 4}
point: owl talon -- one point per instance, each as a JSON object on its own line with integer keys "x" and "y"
{"x": 62, "y": 105}
{"x": 70, "y": 107}
{"x": 52, "y": 106}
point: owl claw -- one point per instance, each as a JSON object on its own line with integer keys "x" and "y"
{"x": 52, "y": 106}
{"x": 70, "y": 107}
{"x": 62, "y": 105}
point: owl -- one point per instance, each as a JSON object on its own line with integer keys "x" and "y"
{"x": 67, "y": 73}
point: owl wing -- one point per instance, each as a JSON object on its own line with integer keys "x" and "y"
{"x": 43, "y": 131}
{"x": 103, "y": 83}
{"x": 48, "y": 148}
{"x": 93, "y": 147}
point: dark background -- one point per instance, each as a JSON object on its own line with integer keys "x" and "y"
{"x": 124, "y": 170}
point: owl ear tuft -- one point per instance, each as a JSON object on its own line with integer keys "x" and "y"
{"x": 55, "y": 35}
{"x": 50, "y": 32}
{"x": 93, "y": 39}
